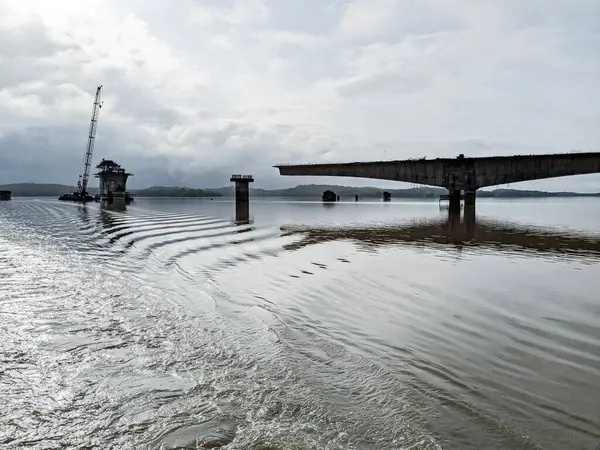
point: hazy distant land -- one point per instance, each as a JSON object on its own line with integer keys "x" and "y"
{"x": 305, "y": 191}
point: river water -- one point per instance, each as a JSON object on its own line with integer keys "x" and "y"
{"x": 362, "y": 325}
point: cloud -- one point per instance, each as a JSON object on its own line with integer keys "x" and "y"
{"x": 194, "y": 93}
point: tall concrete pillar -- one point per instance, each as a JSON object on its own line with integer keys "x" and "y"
{"x": 453, "y": 226}
{"x": 242, "y": 196}
{"x": 470, "y": 197}
{"x": 454, "y": 200}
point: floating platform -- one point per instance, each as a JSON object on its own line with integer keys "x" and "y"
{"x": 77, "y": 197}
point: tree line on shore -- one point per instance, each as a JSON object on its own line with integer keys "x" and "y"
{"x": 301, "y": 191}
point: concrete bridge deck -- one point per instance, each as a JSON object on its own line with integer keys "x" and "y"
{"x": 456, "y": 174}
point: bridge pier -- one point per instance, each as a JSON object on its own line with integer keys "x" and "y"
{"x": 242, "y": 197}
{"x": 454, "y": 200}
{"x": 470, "y": 197}
{"x": 469, "y": 218}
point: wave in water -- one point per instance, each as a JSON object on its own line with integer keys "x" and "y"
{"x": 153, "y": 328}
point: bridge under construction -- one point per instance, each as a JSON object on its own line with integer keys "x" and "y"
{"x": 462, "y": 176}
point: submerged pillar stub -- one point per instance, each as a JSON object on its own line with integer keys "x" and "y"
{"x": 242, "y": 196}
{"x": 329, "y": 196}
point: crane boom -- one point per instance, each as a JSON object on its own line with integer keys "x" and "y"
{"x": 84, "y": 178}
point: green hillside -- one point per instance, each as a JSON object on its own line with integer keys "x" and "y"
{"x": 163, "y": 191}
{"x": 37, "y": 190}
{"x": 302, "y": 191}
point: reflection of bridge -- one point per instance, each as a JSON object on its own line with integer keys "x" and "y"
{"x": 458, "y": 174}
{"x": 455, "y": 233}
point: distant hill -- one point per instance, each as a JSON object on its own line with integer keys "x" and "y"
{"x": 516, "y": 193}
{"x": 302, "y": 191}
{"x": 315, "y": 191}
{"x": 54, "y": 190}
{"x": 163, "y": 191}
{"x": 37, "y": 190}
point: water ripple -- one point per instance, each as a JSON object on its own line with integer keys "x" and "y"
{"x": 167, "y": 326}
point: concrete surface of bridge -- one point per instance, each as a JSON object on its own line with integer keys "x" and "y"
{"x": 458, "y": 174}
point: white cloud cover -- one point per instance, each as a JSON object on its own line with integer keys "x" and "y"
{"x": 197, "y": 89}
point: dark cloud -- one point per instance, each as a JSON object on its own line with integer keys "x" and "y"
{"x": 23, "y": 50}
{"x": 30, "y": 40}
{"x": 195, "y": 93}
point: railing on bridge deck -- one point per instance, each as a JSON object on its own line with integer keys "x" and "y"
{"x": 351, "y": 162}
{"x": 421, "y": 159}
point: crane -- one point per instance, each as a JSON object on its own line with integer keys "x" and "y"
{"x": 84, "y": 178}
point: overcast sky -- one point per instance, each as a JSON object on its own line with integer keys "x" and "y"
{"x": 195, "y": 90}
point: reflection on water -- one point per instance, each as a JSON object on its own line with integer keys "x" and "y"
{"x": 83, "y": 213}
{"x": 355, "y": 325}
{"x": 107, "y": 219}
{"x": 456, "y": 232}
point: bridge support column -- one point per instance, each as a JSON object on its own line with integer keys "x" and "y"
{"x": 242, "y": 197}
{"x": 454, "y": 200}
{"x": 469, "y": 219}
{"x": 454, "y": 225}
{"x": 470, "y": 197}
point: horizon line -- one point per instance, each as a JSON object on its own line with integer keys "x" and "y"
{"x": 487, "y": 189}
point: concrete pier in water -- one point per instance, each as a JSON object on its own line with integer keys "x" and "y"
{"x": 242, "y": 196}
{"x": 113, "y": 182}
